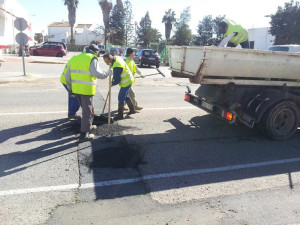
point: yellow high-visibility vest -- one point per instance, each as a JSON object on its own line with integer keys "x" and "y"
{"x": 82, "y": 80}
{"x": 132, "y": 67}
{"x": 126, "y": 76}
{"x": 242, "y": 34}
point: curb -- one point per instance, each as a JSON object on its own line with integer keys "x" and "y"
{"x": 22, "y": 78}
{"x": 45, "y": 62}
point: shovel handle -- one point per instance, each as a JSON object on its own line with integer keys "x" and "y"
{"x": 105, "y": 103}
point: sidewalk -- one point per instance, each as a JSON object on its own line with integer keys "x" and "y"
{"x": 37, "y": 59}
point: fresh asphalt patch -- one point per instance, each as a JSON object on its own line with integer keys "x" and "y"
{"x": 117, "y": 157}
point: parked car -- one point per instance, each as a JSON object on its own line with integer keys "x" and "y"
{"x": 53, "y": 49}
{"x": 85, "y": 48}
{"x": 56, "y": 43}
{"x": 147, "y": 57}
{"x": 25, "y": 50}
{"x": 285, "y": 48}
{"x": 115, "y": 51}
{"x": 101, "y": 49}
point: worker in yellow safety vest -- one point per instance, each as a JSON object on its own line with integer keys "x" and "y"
{"x": 122, "y": 76}
{"x": 134, "y": 69}
{"x": 81, "y": 76}
{"x": 234, "y": 34}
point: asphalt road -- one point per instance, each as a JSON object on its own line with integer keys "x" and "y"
{"x": 172, "y": 163}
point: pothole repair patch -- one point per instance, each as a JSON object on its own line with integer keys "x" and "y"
{"x": 116, "y": 157}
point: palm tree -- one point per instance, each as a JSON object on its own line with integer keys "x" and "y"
{"x": 72, "y": 6}
{"x": 168, "y": 20}
{"x": 106, "y": 6}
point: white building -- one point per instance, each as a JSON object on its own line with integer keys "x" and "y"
{"x": 83, "y": 33}
{"x": 9, "y": 11}
{"x": 260, "y": 38}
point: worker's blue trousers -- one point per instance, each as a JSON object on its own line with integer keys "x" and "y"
{"x": 124, "y": 94}
{"x": 73, "y": 105}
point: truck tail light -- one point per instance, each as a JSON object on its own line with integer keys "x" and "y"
{"x": 187, "y": 98}
{"x": 229, "y": 116}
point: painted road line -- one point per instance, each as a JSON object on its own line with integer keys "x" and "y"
{"x": 39, "y": 189}
{"x": 110, "y": 183}
{"x": 170, "y": 108}
{"x": 32, "y": 113}
{"x": 188, "y": 173}
{"x": 147, "y": 177}
{"x": 60, "y": 112}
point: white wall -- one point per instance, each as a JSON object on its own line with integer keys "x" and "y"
{"x": 82, "y": 36}
{"x": 86, "y": 37}
{"x": 60, "y": 34}
{"x": 261, "y": 37}
{"x": 11, "y": 10}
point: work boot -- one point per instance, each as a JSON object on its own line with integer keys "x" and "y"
{"x": 86, "y": 136}
{"x": 93, "y": 129}
{"x": 73, "y": 117}
{"x": 120, "y": 115}
{"x": 138, "y": 108}
{"x": 125, "y": 109}
{"x": 131, "y": 107}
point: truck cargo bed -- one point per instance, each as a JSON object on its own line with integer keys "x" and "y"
{"x": 215, "y": 65}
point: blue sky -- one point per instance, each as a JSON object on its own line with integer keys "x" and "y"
{"x": 250, "y": 14}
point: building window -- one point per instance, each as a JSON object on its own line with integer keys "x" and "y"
{"x": 252, "y": 44}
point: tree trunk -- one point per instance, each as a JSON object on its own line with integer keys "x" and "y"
{"x": 105, "y": 38}
{"x": 72, "y": 38}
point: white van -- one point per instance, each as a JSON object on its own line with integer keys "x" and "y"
{"x": 285, "y": 48}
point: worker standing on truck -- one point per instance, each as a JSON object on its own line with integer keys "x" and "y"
{"x": 234, "y": 34}
{"x": 81, "y": 76}
{"x": 134, "y": 69}
{"x": 122, "y": 76}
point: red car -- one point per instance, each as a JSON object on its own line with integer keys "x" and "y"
{"x": 57, "y": 50}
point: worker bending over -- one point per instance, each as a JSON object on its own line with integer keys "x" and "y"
{"x": 234, "y": 34}
{"x": 81, "y": 78}
{"x": 122, "y": 76}
{"x": 134, "y": 69}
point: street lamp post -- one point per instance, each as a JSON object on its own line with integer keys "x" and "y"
{"x": 135, "y": 36}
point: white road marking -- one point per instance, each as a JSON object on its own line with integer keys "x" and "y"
{"x": 147, "y": 177}
{"x": 170, "y": 108}
{"x": 32, "y": 113}
{"x": 39, "y": 189}
{"x": 61, "y": 112}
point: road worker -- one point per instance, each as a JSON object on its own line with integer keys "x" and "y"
{"x": 134, "y": 69}
{"x": 234, "y": 34}
{"x": 73, "y": 104}
{"x": 122, "y": 76}
{"x": 81, "y": 76}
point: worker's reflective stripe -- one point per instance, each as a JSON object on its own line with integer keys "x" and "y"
{"x": 239, "y": 37}
{"x": 81, "y": 71}
{"x": 122, "y": 75}
{"x": 83, "y": 82}
{"x": 124, "y": 81}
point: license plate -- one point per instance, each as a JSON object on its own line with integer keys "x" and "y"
{"x": 207, "y": 105}
{"x": 151, "y": 58}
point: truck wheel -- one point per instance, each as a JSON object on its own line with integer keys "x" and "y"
{"x": 281, "y": 121}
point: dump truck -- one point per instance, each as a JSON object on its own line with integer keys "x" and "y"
{"x": 247, "y": 86}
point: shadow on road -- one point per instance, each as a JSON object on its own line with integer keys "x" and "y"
{"x": 16, "y": 161}
{"x": 203, "y": 145}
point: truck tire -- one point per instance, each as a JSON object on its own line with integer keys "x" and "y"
{"x": 281, "y": 121}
